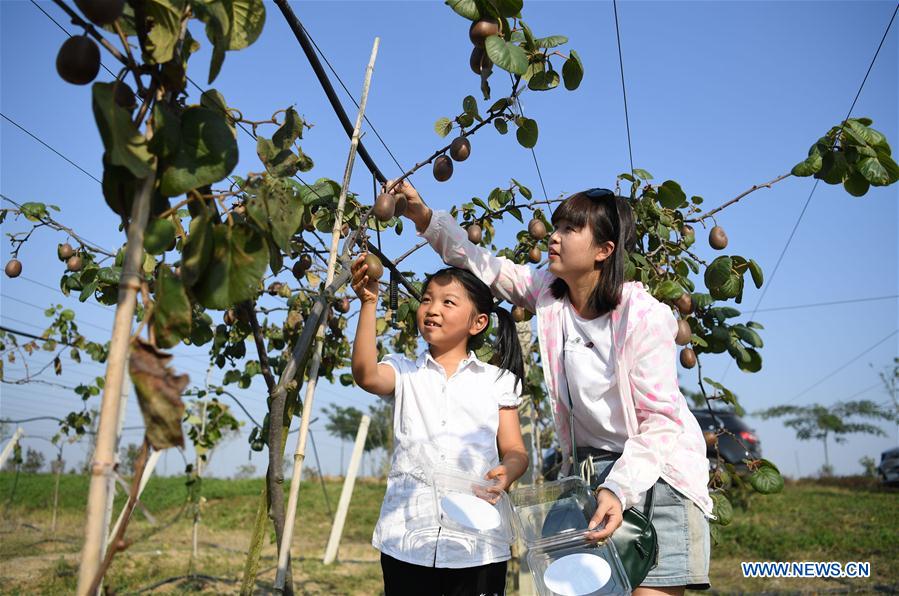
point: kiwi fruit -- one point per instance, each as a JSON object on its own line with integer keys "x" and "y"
{"x": 481, "y": 30}
{"x": 519, "y": 314}
{"x": 78, "y": 60}
{"x": 687, "y": 358}
{"x": 375, "y": 267}
{"x": 74, "y": 263}
{"x": 475, "y": 234}
{"x": 443, "y": 168}
{"x": 717, "y": 238}
{"x": 535, "y": 254}
{"x": 479, "y": 61}
{"x": 460, "y": 149}
{"x": 537, "y": 229}
{"x": 64, "y": 251}
{"x": 684, "y": 304}
{"x": 274, "y": 288}
{"x": 123, "y": 96}
{"x": 684, "y": 333}
{"x": 385, "y": 206}
{"x": 342, "y": 305}
{"x": 300, "y": 268}
{"x": 13, "y": 268}
{"x": 101, "y": 12}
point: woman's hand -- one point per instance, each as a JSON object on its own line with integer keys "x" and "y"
{"x": 416, "y": 210}
{"x": 608, "y": 514}
{"x": 367, "y": 289}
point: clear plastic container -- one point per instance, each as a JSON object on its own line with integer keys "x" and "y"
{"x": 552, "y": 520}
{"x": 472, "y": 505}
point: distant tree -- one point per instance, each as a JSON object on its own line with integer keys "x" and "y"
{"x": 34, "y": 461}
{"x": 817, "y": 422}
{"x": 127, "y": 457}
{"x": 344, "y": 424}
{"x": 244, "y": 471}
{"x": 869, "y": 465}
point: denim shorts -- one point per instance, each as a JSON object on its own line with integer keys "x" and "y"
{"x": 682, "y": 530}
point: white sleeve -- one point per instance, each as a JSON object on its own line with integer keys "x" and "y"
{"x": 508, "y": 391}
{"x": 398, "y": 362}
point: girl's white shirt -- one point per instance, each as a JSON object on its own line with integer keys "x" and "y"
{"x": 599, "y": 421}
{"x": 440, "y": 422}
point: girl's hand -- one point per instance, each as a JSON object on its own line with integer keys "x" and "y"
{"x": 501, "y": 475}
{"x": 608, "y": 513}
{"x": 416, "y": 210}
{"x": 367, "y": 289}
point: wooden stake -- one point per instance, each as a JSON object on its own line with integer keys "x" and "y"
{"x": 347, "y": 492}
{"x": 104, "y": 455}
{"x": 300, "y": 452}
{"x": 144, "y": 479}
{"x": 10, "y": 445}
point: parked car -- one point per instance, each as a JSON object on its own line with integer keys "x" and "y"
{"x": 738, "y": 444}
{"x": 889, "y": 466}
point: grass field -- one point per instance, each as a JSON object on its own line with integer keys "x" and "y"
{"x": 842, "y": 520}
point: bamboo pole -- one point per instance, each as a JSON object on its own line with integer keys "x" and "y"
{"x": 111, "y": 490}
{"x": 59, "y": 466}
{"x": 300, "y": 451}
{"x": 10, "y": 445}
{"x": 152, "y": 460}
{"x": 104, "y": 455}
{"x": 347, "y": 493}
{"x": 198, "y": 470}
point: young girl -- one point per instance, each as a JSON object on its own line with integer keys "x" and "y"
{"x": 608, "y": 355}
{"x": 450, "y": 409}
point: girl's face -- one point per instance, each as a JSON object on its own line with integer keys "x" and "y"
{"x": 572, "y": 252}
{"x": 446, "y": 316}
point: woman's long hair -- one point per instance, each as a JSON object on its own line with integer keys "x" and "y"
{"x": 610, "y": 217}
{"x": 506, "y": 349}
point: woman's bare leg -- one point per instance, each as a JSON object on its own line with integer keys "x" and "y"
{"x": 653, "y": 591}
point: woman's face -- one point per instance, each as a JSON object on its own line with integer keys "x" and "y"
{"x": 572, "y": 252}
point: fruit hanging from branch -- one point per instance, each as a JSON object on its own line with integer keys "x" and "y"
{"x": 475, "y": 234}
{"x": 460, "y": 149}
{"x": 687, "y": 358}
{"x": 537, "y": 229}
{"x": 401, "y": 203}
{"x": 101, "y": 12}
{"x": 535, "y": 254}
{"x": 443, "y": 168}
{"x": 64, "y": 251}
{"x": 717, "y": 238}
{"x": 78, "y": 60}
{"x": 375, "y": 267}
{"x": 684, "y": 333}
{"x": 74, "y": 263}
{"x": 684, "y": 304}
{"x": 13, "y": 268}
{"x": 481, "y": 30}
{"x": 385, "y": 206}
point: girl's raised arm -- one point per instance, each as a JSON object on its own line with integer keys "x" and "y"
{"x": 518, "y": 284}
{"x": 368, "y": 374}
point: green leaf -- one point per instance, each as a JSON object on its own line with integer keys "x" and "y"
{"x": 527, "y": 133}
{"x": 573, "y": 71}
{"x": 239, "y": 258}
{"x": 766, "y": 479}
{"x": 159, "y": 235}
{"x": 276, "y": 208}
{"x": 163, "y": 33}
{"x": 166, "y": 131}
{"x": 197, "y": 249}
{"x": 753, "y": 364}
{"x": 889, "y": 165}
{"x": 470, "y": 107}
{"x": 721, "y": 508}
{"x": 870, "y": 136}
{"x": 465, "y": 8}
{"x": 524, "y": 190}
{"x": 171, "y": 311}
{"x": 671, "y": 196}
{"x": 544, "y": 80}
{"x": 856, "y": 184}
{"x": 808, "y": 166}
{"x": 506, "y": 55}
{"x": 277, "y": 154}
{"x": 642, "y": 174}
{"x": 551, "y": 41}
{"x": 206, "y": 154}
{"x": 834, "y": 167}
{"x": 443, "y": 126}
{"x": 873, "y": 171}
{"x": 507, "y": 8}
{"x": 718, "y": 272}
{"x": 502, "y": 127}
{"x": 158, "y": 391}
{"x": 756, "y": 271}
{"x": 124, "y": 144}
{"x": 748, "y": 335}
{"x": 668, "y": 290}
{"x": 230, "y": 25}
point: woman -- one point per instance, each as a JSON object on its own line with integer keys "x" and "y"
{"x": 632, "y": 427}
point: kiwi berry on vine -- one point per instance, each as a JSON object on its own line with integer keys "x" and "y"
{"x": 78, "y": 60}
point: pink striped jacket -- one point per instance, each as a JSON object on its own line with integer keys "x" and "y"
{"x": 664, "y": 438}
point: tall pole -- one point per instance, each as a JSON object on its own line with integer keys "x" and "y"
{"x": 103, "y": 461}
{"x": 347, "y": 492}
{"x": 300, "y": 451}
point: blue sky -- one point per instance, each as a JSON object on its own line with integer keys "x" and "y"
{"x": 721, "y": 96}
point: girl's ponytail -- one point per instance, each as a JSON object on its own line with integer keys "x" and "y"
{"x": 507, "y": 348}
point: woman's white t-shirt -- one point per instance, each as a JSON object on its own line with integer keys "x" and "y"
{"x": 592, "y": 381}
{"x": 440, "y": 422}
